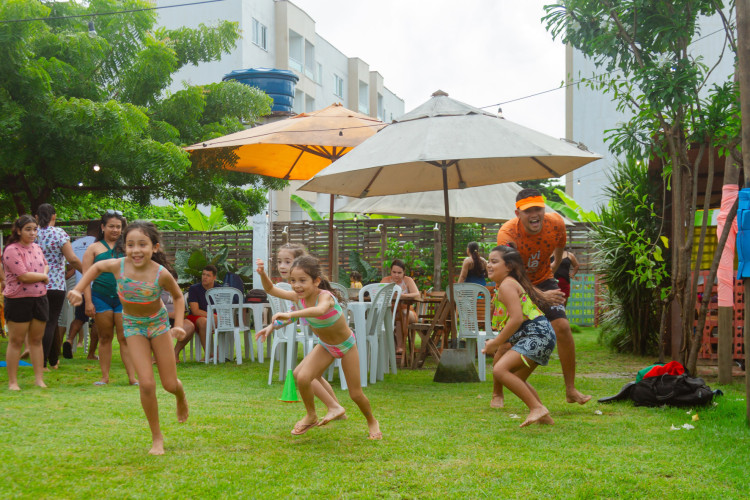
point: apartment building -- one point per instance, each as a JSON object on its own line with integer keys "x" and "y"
{"x": 277, "y": 34}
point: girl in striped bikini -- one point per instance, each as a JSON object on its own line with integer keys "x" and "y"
{"x": 140, "y": 280}
{"x": 317, "y": 303}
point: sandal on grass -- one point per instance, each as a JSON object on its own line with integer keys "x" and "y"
{"x": 300, "y": 429}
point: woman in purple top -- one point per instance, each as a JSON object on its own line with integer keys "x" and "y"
{"x": 55, "y": 244}
{"x": 26, "y": 306}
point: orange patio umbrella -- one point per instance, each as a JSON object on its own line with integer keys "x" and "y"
{"x": 296, "y": 148}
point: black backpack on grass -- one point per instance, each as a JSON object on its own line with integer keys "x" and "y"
{"x": 672, "y": 390}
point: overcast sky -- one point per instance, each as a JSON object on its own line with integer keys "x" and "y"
{"x": 482, "y": 52}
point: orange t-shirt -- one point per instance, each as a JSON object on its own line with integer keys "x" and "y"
{"x": 535, "y": 249}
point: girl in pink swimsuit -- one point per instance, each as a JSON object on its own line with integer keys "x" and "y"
{"x": 317, "y": 303}
{"x": 140, "y": 281}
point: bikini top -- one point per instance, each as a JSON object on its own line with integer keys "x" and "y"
{"x": 137, "y": 292}
{"x": 328, "y": 318}
{"x": 500, "y": 313}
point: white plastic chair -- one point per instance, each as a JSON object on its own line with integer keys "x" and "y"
{"x": 466, "y": 297}
{"x": 287, "y": 338}
{"x": 370, "y": 289}
{"x": 376, "y": 328}
{"x": 229, "y": 319}
{"x": 390, "y": 343}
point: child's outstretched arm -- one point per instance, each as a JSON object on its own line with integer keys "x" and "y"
{"x": 325, "y": 304}
{"x": 75, "y": 296}
{"x": 268, "y": 285}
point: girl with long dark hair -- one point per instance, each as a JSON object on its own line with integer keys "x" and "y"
{"x": 517, "y": 315}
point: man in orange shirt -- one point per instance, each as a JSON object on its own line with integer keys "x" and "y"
{"x": 537, "y": 236}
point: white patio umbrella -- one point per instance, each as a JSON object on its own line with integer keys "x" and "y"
{"x": 495, "y": 203}
{"x": 446, "y": 144}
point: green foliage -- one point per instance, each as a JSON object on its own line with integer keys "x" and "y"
{"x": 419, "y": 261}
{"x": 356, "y": 263}
{"x": 189, "y": 265}
{"x": 630, "y": 259}
{"x": 548, "y": 188}
{"x": 194, "y": 220}
{"x": 571, "y": 209}
{"x": 69, "y": 101}
{"x": 315, "y": 215}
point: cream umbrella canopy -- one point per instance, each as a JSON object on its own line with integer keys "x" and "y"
{"x": 293, "y": 149}
{"x": 446, "y": 144}
{"x": 494, "y": 203}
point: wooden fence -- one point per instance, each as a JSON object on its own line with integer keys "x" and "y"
{"x": 363, "y": 236}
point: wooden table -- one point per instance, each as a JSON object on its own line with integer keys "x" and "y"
{"x": 431, "y": 333}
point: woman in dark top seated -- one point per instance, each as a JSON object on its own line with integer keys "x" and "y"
{"x": 474, "y": 268}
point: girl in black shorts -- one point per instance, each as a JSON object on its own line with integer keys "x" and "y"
{"x": 26, "y": 306}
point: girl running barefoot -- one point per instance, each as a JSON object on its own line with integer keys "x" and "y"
{"x": 316, "y": 302}
{"x": 321, "y": 388}
{"x": 520, "y": 322}
{"x": 140, "y": 279}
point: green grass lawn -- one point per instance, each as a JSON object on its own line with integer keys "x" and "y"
{"x": 75, "y": 440}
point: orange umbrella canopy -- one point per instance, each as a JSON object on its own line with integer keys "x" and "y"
{"x": 296, "y": 148}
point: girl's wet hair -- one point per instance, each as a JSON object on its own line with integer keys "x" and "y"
{"x": 110, "y": 214}
{"x": 44, "y": 214}
{"x": 152, "y": 233}
{"x": 517, "y": 271}
{"x": 311, "y": 266}
{"x": 473, "y": 249}
{"x": 15, "y": 230}
{"x": 296, "y": 249}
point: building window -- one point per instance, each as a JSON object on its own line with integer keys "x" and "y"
{"x": 319, "y": 78}
{"x": 259, "y": 35}
{"x": 338, "y": 86}
{"x": 296, "y": 50}
{"x": 364, "y": 98}
{"x": 310, "y": 67}
{"x": 309, "y": 104}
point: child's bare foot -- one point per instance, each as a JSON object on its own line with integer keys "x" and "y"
{"x": 41, "y": 384}
{"x": 25, "y": 354}
{"x": 374, "y": 429}
{"x": 538, "y": 416}
{"x": 574, "y": 396}
{"x": 304, "y": 425}
{"x": 497, "y": 401}
{"x": 182, "y": 409}
{"x": 157, "y": 447}
{"x": 13, "y": 387}
{"x": 334, "y": 414}
{"x": 93, "y": 357}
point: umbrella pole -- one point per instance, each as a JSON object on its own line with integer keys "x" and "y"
{"x": 449, "y": 234}
{"x": 330, "y": 243}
